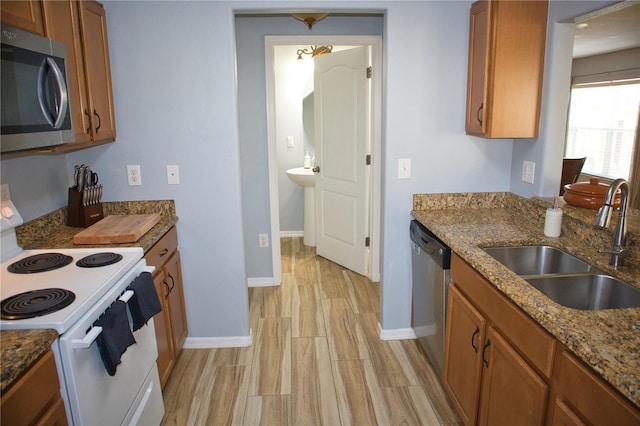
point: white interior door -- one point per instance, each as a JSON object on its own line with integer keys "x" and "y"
{"x": 342, "y": 94}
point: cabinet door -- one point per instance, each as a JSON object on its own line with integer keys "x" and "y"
{"x": 477, "y": 67}
{"x": 463, "y": 361}
{"x": 23, "y": 14}
{"x": 61, "y": 23}
{"x": 93, "y": 30}
{"x": 175, "y": 301}
{"x": 512, "y": 392}
{"x": 162, "y": 324}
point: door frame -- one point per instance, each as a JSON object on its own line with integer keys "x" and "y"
{"x": 376, "y": 141}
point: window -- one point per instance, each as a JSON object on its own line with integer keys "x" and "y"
{"x": 603, "y": 120}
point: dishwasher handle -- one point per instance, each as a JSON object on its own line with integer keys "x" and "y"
{"x": 430, "y": 244}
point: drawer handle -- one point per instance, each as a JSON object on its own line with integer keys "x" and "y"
{"x": 486, "y": 345}
{"x": 164, "y": 251}
{"x": 473, "y": 336}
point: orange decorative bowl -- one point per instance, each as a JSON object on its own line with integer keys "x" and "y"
{"x": 589, "y": 195}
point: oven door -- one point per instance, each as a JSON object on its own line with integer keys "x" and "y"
{"x": 133, "y": 394}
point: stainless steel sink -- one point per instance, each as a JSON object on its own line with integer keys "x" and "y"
{"x": 538, "y": 260}
{"x": 588, "y": 292}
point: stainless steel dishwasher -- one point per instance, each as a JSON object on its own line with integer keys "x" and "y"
{"x": 431, "y": 260}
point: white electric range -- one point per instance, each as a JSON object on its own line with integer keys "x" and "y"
{"x": 68, "y": 290}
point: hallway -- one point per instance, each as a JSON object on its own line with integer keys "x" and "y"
{"x": 316, "y": 359}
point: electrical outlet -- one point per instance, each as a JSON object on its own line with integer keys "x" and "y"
{"x": 263, "y": 240}
{"x": 528, "y": 171}
{"x": 173, "y": 175}
{"x": 133, "y": 175}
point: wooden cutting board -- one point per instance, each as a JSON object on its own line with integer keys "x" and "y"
{"x": 117, "y": 229}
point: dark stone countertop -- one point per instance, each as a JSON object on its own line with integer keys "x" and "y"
{"x": 19, "y": 349}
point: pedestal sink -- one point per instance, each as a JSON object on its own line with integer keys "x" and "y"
{"x": 307, "y": 179}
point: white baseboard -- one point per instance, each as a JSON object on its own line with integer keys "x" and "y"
{"x": 260, "y": 282}
{"x": 219, "y": 342}
{"x": 396, "y": 334}
{"x": 291, "y": 234}
{"x": 425, "y": 330}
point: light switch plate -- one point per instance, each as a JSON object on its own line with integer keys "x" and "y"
{"x": 404, "y": 168}
{"x": 528, "y": 171}
{"x": 173, "y": 175}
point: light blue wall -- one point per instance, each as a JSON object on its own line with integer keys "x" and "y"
{"x": 174, "y": 79}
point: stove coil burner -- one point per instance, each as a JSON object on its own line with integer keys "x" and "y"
{"x": 35, "y": 303}
{"x": 99, "y": 259}
{"x": 40, "y": 263}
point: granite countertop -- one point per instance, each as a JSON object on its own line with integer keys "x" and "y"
{"x": 607, "y": 340}
{"x": 50, "y": 231}
{"x": 19, "y": 348}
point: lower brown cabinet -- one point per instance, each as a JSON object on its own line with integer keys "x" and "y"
{"x": 502, "y": 368}
{"x": 171, "y": 324}
{"x": 35, "y": 398}
{"x": 483, "y": 371}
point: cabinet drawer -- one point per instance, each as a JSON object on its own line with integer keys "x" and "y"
{"x": 32, "y": 394}
{"x": 594, "y": 399}
{"x": 531, "y": 340}
{"x": 161, "y": 251}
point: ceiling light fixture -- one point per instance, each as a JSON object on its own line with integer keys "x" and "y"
{"x": 315, "y": 51}
{"x": 309, "y": 18}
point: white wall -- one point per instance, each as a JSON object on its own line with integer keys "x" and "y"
{"x": 174, "y": 77}
{"x": 292, "y": 77}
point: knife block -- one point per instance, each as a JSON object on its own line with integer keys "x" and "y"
{"x": 79, "y": 215}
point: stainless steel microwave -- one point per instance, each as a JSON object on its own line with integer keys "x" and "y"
{"x": 36, "y": 109}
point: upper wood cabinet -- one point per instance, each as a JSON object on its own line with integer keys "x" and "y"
{"x": 81, "y": 25}
{"x": 23, "y": 14}
{"x": 506, "y": 65}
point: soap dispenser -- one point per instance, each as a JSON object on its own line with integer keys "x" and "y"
{"x": 307, "y": 161}
{"x": 553, "y": 221}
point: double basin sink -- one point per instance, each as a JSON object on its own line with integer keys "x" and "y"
{"x": 566, "y": 279}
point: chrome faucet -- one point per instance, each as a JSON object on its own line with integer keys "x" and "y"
{"x": 604, "y": 218}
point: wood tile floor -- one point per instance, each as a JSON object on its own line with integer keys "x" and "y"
{"x": 316, "y": 359}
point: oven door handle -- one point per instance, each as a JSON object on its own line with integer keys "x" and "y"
{"x": 88, "y": 340}
{"x": 93, "y": 334}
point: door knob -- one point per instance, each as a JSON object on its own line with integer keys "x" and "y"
{"x": 316, "y": 169}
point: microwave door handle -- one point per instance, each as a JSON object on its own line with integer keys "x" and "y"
{"x": 62, "y": 87}
{"x": 41, "y": 82}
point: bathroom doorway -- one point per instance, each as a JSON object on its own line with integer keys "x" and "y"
{"x": 279, "y": 146}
